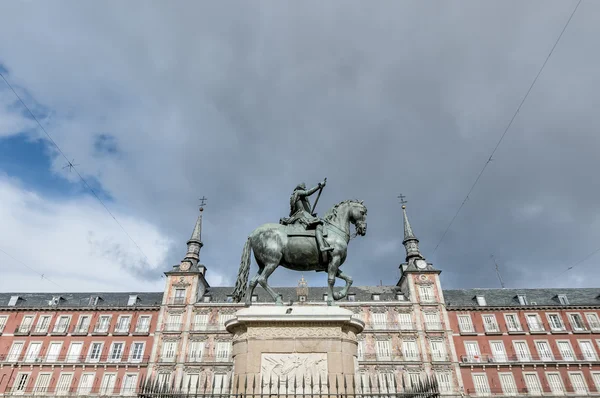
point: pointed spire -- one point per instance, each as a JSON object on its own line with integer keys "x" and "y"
{"x": 195, "y": 243}
{"x": 410, "y": 242}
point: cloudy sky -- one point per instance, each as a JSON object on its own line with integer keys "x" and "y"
{"x": 159, "y": 105}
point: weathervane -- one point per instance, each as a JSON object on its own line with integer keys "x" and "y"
{"x": 202, "y": 200}
{"x": 403, "y": 200}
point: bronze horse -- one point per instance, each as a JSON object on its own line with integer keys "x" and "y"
{"x": 294, "y": 248}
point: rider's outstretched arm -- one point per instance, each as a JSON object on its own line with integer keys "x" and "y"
{"x": 310, "y": 191}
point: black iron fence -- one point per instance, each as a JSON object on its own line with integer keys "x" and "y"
{"x": 288, "y": 387}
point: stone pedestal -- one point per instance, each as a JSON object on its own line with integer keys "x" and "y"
{"x": 294, "y": 349}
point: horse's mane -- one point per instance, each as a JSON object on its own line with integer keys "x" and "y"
{"x": 332, "y": 213}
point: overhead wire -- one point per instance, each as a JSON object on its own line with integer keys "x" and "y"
{"x": 489, "y": 160}
{"x": 33, "y": 270}
{"x": 74, "y": 168}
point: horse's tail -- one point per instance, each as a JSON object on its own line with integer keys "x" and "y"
{"x": 242, "y": 280}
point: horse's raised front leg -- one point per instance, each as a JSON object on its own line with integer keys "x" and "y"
{"x": 262, "y": 280}
{"x": 344, "y": 292}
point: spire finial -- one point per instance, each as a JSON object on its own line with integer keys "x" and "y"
{"x": 410, "y": 242}
{"x": 195, "y": 243}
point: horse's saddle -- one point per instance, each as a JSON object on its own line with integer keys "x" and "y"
{"x": 300, "y": 230}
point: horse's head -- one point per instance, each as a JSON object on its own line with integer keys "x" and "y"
{"x": 358, "y": 217}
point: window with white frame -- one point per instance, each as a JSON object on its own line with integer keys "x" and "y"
{"x": 562, "y": 298}
{"x": 20, "y": 384}
{"x": 224, "y": 318}
{"x": 83, "y": 324}
{"x": 383, "y": 349}
{"x": 522, "y": 299}
{"x": 13, "y": 301}
{"x": 544, "y": 351}
{"x": 64, "y": 383}
{"x": 490, "y": 324}
{"x": 522, "y": 351}
{"x": 103, "y": 324}
{"x": 534, "y": 322}
{"x": 498, "y": 351}
{"x": 143, "y": 324}
{"x": 325, "y": 297}
{"x": 196, "y": 351}
{"x": 379, "y": 320}
{"x": 95, "y": 351}
{"x": 74, "y": 352}
{"x": 438, "y": 350}
{"x": 136, "y": 352}
{"x": 556, "y": 323}
{"x": 53, "y": 351}
{"x": 410, "y": 350}
{"x": 480, "y": 382}
{"x": 465, "y": 324}
{"x": 164, "y": 378}
{"x": 375, "y": 297}
{"x": 577, "y": 322}
{"x": 472, "y": 351}
{"x": 219, "y": 383}
{"x": 444, "y": 380}
{"x": 555, "y": 383}
{"x": 387, "y": 383}
{"x": 206, "y": 299}
{"x": 566, "y": 351}
{"x": 532, "y": 382}
{"x": 512, "y": 323}
{"x": 191, "y": 382}
{"x": 481, "y": 301}
{"x": 129, "y": 384}
{"x": 426, "y": 294}
{"x": 3, "y": 320}
{"x": 507, "y": 382}
{"x": 360, "y": 352}
{"x": 42, "y": 324}
{"x": 86, "y": 382}
{"x": 432, "y": 321}
{"x": 222, "y": 351}
{"x": 107, "y": 385}
{"x": 33, "y": 351}
{"x": 596, "y": 379}
{"x": 25, "y": 326}
{"x": 200, "y": 321}
{"x": 578, "y": 382}
{"x": 62, "y": 324}
{"x": 587, "y": 350}
{"x": 41, "y": 384}
{"x": 15, "y": 351}
{"x": 405, "y": 321}
{"x": 179, "y": 296}
{"x": 169, "y": 351}
{"x": 591, "y": 317}
{"x": 123, "y": 323}
{"x": 132, "y": 300}
{"x": 173, "y": 323}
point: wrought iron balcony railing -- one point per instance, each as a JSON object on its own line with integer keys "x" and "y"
{"x": 121, "y": 329}
{"x": 74, "y": 359}
{"x": 391, "y": 326}
{"x": 141, "y": 330}
{"x": 80, "y": 330}
{"x": 40, "y": 330}
{"x": 171, "y": 327}
{"x": 512, "y": 359}
{"x": 23, "y": 330}
{"x": 101, "y": 329}
{"x": 60, "y": 329}
{"x": 394, "y": 357}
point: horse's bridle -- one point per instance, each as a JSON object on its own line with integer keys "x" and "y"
{"x": 346, "y": 235}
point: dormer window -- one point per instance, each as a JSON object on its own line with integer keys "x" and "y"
{"x": 352, "y": 297}
{"x": 522, "y": 299}
{"x": 229, "y": 299}
{"x": 562, "y": 298}
{"x": 206, "y": 299}
{"x": 13, "y": 301}
{"x": 400, "y": 297}
{"x": 302, "y": 298}
{"x": 254, "y": 298}
{"x": 55, "y": 300}
{"x": 375, "y": 297}
{"x": 94, "y": 301}
{"x": 325, "y": 297}
{"x": 481, "y": 301}
{"x": 133, "y": 298}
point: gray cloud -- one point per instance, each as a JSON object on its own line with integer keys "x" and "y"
{"x": 240, "y": 104}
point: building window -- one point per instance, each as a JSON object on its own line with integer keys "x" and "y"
{"x": 32, "y": 352}
{"x": 522, "y": 299}
{"x": 123, "y": 323}
{"x": 164, "y": 379}
{"x": 360, "y": 351}
{"x": 379, "y": 320}
{"x": 480, "y": 382}
{"x": 3, "y": 320}
{"x": 577, "y": 322}
{"x": 206, "y": 299}
{"x": 129, "y": 384}
{"x": 108, "y": 384}
{"x": 95, "y": 352}
{"x": 498, "y": 351}
{"x": 132, "y": 300}
{"x": 481, "y": 301}
{"x": 566, "y": 351}
{"x": 15, "y": 351}
{"x": 103, "y": 324}
{"x": 83, "y": 324}
{"x": 53, "y": 351}
{"x": 400, "y": 297}
{"x": 196, "y": 351}
{"x": 20, "y": 384}
{"x": 383, "y": 349}
{"x": 325, "y": 297}
{"x": 562, "y": 298}
{"x": 25, "y": 326}
{"x": 426, "y": 294}
{"x": 179, "y": 296}
{"x": 405, "y": 321}
{"x": 302, "y": 298}
{"x": 229, "y": 298}
{"x": 444, "y": 380}
{"x": 532, "y": 381}
{"x": 472, "y": 350}
{"x": 535, "y": 323}
{"x": 507, "y": 381}
{"x": 438, "y": 350}
{"x": 191, "y": 383}
{"x": 465, "y": 324}
{"x": 74, "y": 352}
{"x": 556, "y": 323}
{"x": 522, "y": 351}
{"x": 219, "y": 383}
{"x": 578, "y": 382}
{"x": 512, "y": 323}
{"x": 42, "y": 325}
{"x": 544, "y": 351}
{"x": 489, "y": 323}
{"x": 62, "y": 325}
{"x": 592, "y": 319}
{"x": 375, "y": 297}
{"x": 200, "y": 322}
{"x": 64, "y": 383}
{"x": 352, "y": 297}
{"x": 224, "y": 318}
{"x": 432, "y": 321}
{"x": 137, "y": 352}
{"x": 173, "y": 323}
{"x": 222, "y": 351}
{"x": 143, "y": 324}
{"x": 116, "y": 351}
{"x": 85, "y": 383}
{"x": 555, "y": 382}
{"x": 169, "y": 351}
{"x": 13, "y": 301}
{"x": 587, "y": 350}
{"x": 596, "y": 378}
{"x": 254, "y": 298}
{"x": 410, "y": 350}
{"x": 93, "y": 301}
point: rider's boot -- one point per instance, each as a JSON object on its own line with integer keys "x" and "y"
{"x": 322, "y": 244}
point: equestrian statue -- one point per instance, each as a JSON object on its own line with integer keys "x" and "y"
{"x": 302, "y": 242}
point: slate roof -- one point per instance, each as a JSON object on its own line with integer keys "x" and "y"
{"x": 81, "y": 300}
{"x": 508, "y": 297}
